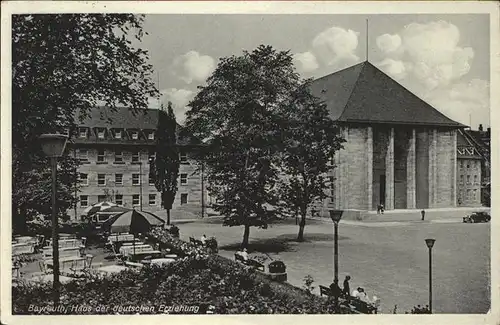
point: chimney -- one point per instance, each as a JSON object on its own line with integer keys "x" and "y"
{"x": 480, "y": 127}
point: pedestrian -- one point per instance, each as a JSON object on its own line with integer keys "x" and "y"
{"x": 203, "y": 239}
{"x": 335, "y": 289}
{"x": 346, "y": 290}
{"x": 378, "y": 208}
{"x": 382, "y": 208}
{"x": 423, "y": 214}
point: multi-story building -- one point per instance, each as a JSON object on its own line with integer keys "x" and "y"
{"x": 115, "y": 149}
{"x": 469, "y": 162}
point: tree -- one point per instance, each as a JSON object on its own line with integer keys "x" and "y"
{"x": 166, "y": 164}
{"x": 236, "y": 114}
{"x": 311, "y": 139}
{"x": 64, "y": 65}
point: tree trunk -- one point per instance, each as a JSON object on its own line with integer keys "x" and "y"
{"x": 168, "y": 217}
{"x": 246, "y": 234}
{"x": 302, "y": 224}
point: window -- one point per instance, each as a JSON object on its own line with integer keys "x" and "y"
{"x": 135, "y": 179}
{"x": 134, "y": 135}
{"x": 101, "y": 156}
{"x": 83, "y": 154}
{"x": 101, "y": 198}
{"x": 82, "y": 132}
{"x": 83, "y": 179}
{"x": 152, "y": 199}
{"x": 184, "y": 198}
{"x": 475, "y": 179}
{"x": 461, "y": 178}
{"x": 118, "y": 179}
{"x": 468, "y": 165}
{"x": 118, "y": 134}
{"x": 119, "y": 199}
{"x": 468, "y": 194}
{"x": 151, "y": 180}
{"x": 184, "y": 179}
{"x": 118, "y": 156}
{"x": 135, "y": 199}
{"x": 468, "y": 179}
{"x": 101, "y": 179}
{"x": 100, "y": 133}
{"x": 135, "y": 156}
{"x": 183, "y": 157}
{"x": 84, "y": 200}
{"x": 151, "y": 135}
{"x": 151, "y": 155}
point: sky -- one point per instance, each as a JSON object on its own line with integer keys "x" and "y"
{"x": 444, "y": 59}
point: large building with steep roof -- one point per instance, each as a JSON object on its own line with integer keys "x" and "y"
{"x": 399, "y": 151}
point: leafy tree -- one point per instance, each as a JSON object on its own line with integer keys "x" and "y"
{"x": 311, "y": 139}
{"x": 237, "y": 115}
{"x": 166, "y": 164}
{"x": 64, "y": 65}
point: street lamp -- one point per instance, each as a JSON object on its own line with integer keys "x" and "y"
{"x": 430, "y": 244}
{"x": 336, "y": 215}
{"x": 53, "y": 146}
{"x": 140, "y": 184}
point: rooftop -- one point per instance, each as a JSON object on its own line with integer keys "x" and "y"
{"x": 364, "y": 94}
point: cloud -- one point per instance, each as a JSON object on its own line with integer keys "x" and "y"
{"x": 336, "y": 46}
{"x": 465, "y": 102}
{"x": 193, "y": 66}
{"x": 432, "y": 52}
{"x": 305, "y": 62}
{"x": 396, "y": 68}
{"x": 389, "y": 43}
{"x": 180, "y": 98}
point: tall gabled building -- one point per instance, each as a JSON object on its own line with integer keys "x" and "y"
{"x": 400, "y": 151}
{"x": 115, "y": 149}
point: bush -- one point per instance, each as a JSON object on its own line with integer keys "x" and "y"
{"x": 420, "y": 310}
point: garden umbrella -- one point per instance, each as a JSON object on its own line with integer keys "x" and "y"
{"x": 98, "y": 207}
{"x": 133, "y": 221}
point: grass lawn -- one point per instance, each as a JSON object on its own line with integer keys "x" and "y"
{"x": 390, "y": 261}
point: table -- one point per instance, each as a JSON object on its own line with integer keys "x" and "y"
{"x": 23, "y": 248}
{"x": 162, "y": 261}
{"x": 111, "y": 269}
{"x": 50, "y": 278}
{"x": 140, "y": 256}
{"x": 65, "y": 263}
{"x": 127, "y": 250}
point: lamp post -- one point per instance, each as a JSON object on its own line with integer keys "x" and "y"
{"x": 53, "y": 146}
{"x": 140, "y": 184}
{"x": 336, "y": 215}
{"x": 430, "y": 244}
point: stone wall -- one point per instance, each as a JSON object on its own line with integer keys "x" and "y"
{"x": 445, "y": 170}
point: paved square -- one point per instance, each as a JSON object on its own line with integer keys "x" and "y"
{"x": 390, "y": 260}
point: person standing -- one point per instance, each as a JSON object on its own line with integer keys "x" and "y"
{"x": 346, "y": 290}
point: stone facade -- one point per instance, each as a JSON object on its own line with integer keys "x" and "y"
{"x": 400, "y": 167}
{"x": 121, "y": 180}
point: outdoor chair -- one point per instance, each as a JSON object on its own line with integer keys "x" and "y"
{"x": 325, "y": 291}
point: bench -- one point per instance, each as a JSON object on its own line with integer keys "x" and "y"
{"x": 127, "y": 250}
{"x": 63, "y": 252}
{"x": 325, "y": 291}
{"x": 362, "y": 306}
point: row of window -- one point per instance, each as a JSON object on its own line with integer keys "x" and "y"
{"x": 470, "y": 195}
{"x": 468, "y": 164}
{"x": 136, "y": 201}
{"x": 103, "y": 133}
{"x": 101, "y": 179}
{"x": 476, "y": 179}
{"x": 83, "y": 155}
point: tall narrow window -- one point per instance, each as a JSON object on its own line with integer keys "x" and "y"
{"x": 119, "y": 199}
{"x": 100, "y": 133}
{"x": 101, "y": 198}
{"x": 135, "y": 200}
{"x": 135, "y": 156}
{"x": 83, "y": 155}
{"x": 152, "y": 199}
{"x": 184, "y": 179}
{"x": 135, "y": 179}
{"x": 101, "y": 157}
{"x": 184, "y": 198}
{"x": 183, "y": 157}
{"x": 118, "y": 179}
{"x": 83, "y": 179}
{"x": 84, "y": 200}
{"x": 101, "y": 179}
{"x": 118, "y": 156}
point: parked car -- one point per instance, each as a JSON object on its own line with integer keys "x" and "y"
{"x": 477, "y": 217}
